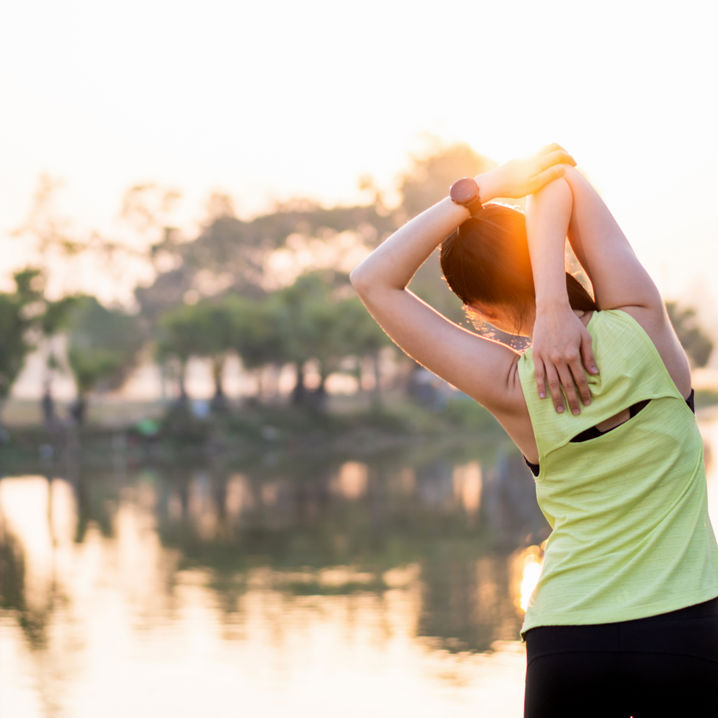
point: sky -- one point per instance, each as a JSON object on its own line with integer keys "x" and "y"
{"x": 268, "y": 101}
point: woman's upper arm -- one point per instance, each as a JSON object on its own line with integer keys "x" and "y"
{"x": 481, "y": 368}
{"x": 619, "y": 279}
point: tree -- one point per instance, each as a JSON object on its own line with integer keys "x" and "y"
{"x": 310, "y": 320}
{"x": 103, "y": 345}
{"x": 257, "y": 334}
{"x": 15, "y": 323}
{"x": 698, "y": 345}
{"x": 52, "y": 322}
{"x": 176, "y": 342}
{"x": 363, "y": 337}
{"x": 232, "y": 255}
{"x": 212, "y": 336}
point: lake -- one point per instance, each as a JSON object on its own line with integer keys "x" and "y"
{"x": 304, "y": 587}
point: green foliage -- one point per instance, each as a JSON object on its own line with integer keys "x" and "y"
{"x": 308, "y": 317}
{"x": 321, "y": 318}
{"x": 257, "y": 329}
{"x": 50, "y": 317}
{"x": 317, "y": 317}
{"x": 14, "y": 346}
{"x": 698, "y": 345}
{"x": 205, "y": 329}
{"x": 21, "y": 312}
{"x": 176, "y": 336}
{"x": 102, "y": 345}
{"x": 213, "y": 324}
{"x": 217, "y": 326}
{"x": 30, "y": 284}
{"x": 57, "y": 314}
{"x": 362, "y": 335}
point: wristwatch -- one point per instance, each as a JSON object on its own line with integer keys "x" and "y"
{"x": 466, "y": 193}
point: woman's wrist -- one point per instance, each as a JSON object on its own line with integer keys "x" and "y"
{"x": 553, "y": 303}
{"x": 488, "y": 188}
{"x": 395, "y": 261}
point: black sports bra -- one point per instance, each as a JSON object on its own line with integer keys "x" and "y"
{"x": 594, "y": 431}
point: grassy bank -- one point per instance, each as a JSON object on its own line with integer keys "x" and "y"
{"x": 252, "y": 430}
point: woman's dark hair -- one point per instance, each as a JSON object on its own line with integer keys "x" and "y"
{"x": 486, "y": 261}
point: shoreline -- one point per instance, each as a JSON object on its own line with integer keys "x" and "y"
{"x": 251, "y": 433}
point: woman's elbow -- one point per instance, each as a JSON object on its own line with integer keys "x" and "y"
{"x": 358, "y": 279}
{"x": 556, "y": 191}
{"x": 370, "y": 288}
{"x": 363, "y": 283}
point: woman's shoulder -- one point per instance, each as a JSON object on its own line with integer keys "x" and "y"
{"x": 622, "y": 317}
{"x": 652, "y": 328}
{"x": 629, "y": 332}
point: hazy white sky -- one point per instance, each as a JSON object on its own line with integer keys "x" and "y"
{"x": 270, "y": 100}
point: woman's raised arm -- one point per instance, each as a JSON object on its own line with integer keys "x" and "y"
{"x": 479, "y": 367}
{"x": 618, "y": 278}
{"x": 562, "y": 347}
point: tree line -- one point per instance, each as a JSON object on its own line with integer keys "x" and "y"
{"x": 223, "y": 293}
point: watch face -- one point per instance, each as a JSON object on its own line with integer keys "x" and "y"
{"x": 463, "y": 190}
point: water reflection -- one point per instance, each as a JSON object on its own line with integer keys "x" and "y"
{"x": 308, "y": 587}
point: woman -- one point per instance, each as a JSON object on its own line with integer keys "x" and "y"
{"x": 624, "y": 618}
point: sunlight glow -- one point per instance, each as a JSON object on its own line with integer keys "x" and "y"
{"x": 352, "y": 480}
{"x": 530, "y": 563}
{"x": 304, "y": 108}
{"x": 467, "y": 486}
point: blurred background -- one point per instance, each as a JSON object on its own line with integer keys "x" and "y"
{"x": 222, "y": 488}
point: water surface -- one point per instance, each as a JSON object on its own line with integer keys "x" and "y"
{"x": 304, "y": 588}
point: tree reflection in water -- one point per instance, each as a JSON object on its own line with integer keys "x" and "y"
{"x": 437, "y": 538}
{"x": 459, "y": 523}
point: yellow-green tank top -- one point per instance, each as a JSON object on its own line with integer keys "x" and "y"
{"x": 631, "y": 536}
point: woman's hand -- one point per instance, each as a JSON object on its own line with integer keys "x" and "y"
{"x": 520, "y": 177}
{"x": 562, "y": 355}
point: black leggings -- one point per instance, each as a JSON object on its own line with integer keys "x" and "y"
{"x": 653, "y": 667}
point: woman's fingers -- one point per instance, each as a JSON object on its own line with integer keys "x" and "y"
{"x": 569, "y": 389}
{"x": 581, "y": 381}
{"x": 555, "y": 157}
{"x": 589, "y": 361}
{"x": 567, "y": 380}
{"x": 540, "y": 377}
{"x": 526, "y": 176}
{"x": 554, "y": 387}
{"x": 581, "y": 362}
{"x": 543, "y": 178}
{"x": 553, "y": 147}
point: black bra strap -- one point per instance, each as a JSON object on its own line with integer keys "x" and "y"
{"x": 594, "y": 432}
